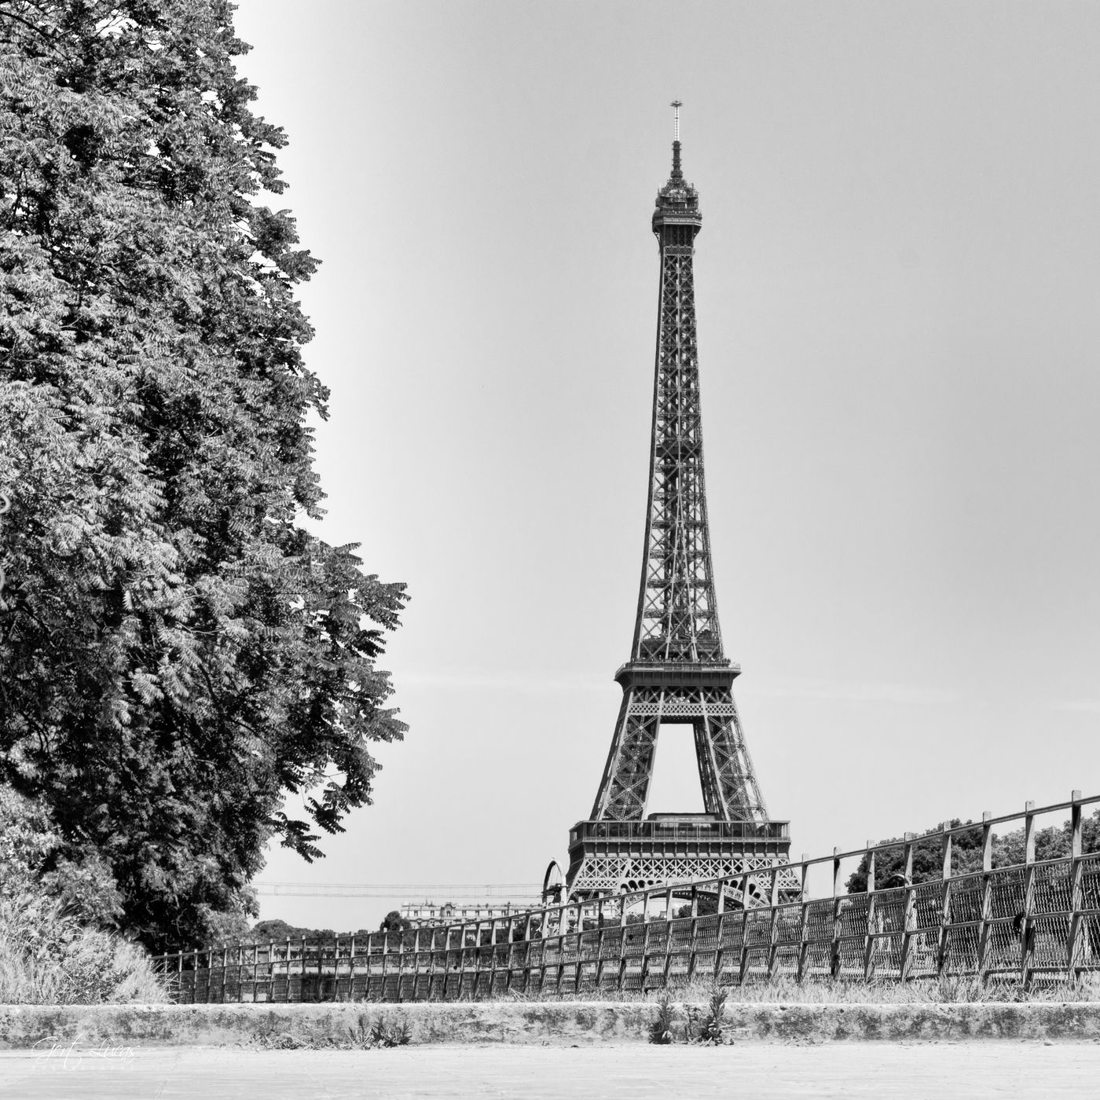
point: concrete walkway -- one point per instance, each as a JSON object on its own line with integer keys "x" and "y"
{"x": 756, "y": 1071}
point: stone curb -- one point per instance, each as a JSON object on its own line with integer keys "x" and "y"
{"x": 348, "y": 1026}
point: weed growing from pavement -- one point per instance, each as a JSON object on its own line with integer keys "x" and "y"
{"x": 390, "y": 1035}
{"x": 660, "y": 1031}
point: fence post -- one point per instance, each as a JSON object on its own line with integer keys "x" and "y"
{"x": 622, "y": 941}
{"x": 462, "y": 963}
{"x": 668, "y": 939}
{"x": 868, "y": 936}
{"x": 803, "y": 945}
{"x": 1076, "y": 893}
{"x": 302, "y": 969}
{"x": 836, "y": 960}
{"x": 492, "y": 953}
{"x": 1027, "y": 934}
{"x": 435, "y": 950}
{"x": 773, "y": 925}
{"x": 694, "y": 931}
{"x": 580, "y": 949}
{"x": 385, "y": 962}
{"x": 944, "y": 938}
{"x": 987, "y": 897}
{"x": 336, "y": 969}
{"x": 599, "y": 940}
{"x": 743, "y": 962}
{"x": 908, "y": 915}
{"x": 544, "y": 929}
{"x": 562, "y": 937}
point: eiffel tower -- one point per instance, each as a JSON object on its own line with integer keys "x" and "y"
{"x": 677, "y": 672}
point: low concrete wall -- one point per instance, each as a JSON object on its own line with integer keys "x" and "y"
{"x": 548, "y": 1023}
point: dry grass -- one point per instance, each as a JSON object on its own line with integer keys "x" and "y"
{"x": 948, "y": 990}
{"x": 46, "y": 957}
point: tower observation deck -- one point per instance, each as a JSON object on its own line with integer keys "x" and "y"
{"x": 677, "y": 671}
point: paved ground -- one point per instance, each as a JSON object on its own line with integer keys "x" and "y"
{"x": 756, "y": 1071}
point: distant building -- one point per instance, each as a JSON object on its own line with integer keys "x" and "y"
{"x": 429, "y": 912}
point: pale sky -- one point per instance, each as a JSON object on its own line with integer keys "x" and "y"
{"x": 897, "y": 286}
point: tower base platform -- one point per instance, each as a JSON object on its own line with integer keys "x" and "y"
{"x": 609, "y": 858}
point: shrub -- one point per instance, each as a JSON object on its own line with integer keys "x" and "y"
{"x": 47, "y": 957}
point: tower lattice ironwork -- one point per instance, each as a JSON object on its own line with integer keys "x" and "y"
{"x": 678, "y": 671}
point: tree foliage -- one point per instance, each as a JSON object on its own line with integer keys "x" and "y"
{"x": 177, "y": 651}
{"x": 1007, "y": 850}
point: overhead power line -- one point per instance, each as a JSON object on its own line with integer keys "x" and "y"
{"x": 441, "y": 891}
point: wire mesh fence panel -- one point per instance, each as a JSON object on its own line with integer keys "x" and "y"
{"x": 681, "y": 946}
{"x": 1052, "y": 888}
{"x": 755, "y": 964}
{"x": 656, "y": 945}
{"x": 758, "y": 929}
{"x": 819, "y": 923}
{"x": 611, "y": 946}
{"x": 587, "y": 975}
{"x": 890, "y": 907}
{"x": 567, "y": 977}
{"x": 817, "y": 961}
{"x": 923, "y": 958}
{"x": 850, "y": 956}
{"x": 588, "y": 946}
{"x": 960, "y": 950}
{"x": 926, "y": 907}
{"x": 571, "y": 948}
{"x": 1047, "y": 941}
{"x": 852, "y": 914}
{"x": 1090, "y": 882}
{"x": 788, "y": 927}
{"x": 634, "y": 941}
{"x": 632, "y": 976}
{"x": 1003, "y": 951}
{"x": 731, "y": 932}
{"x": 1007, "y": 891}
{"x": 1088, "y": 943}
{"x": 706, "y": 934}
{"x": 885, "y": 955}
{"x": 966, "y": 899}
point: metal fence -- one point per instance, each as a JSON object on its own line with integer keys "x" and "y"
{"x": 1015, "y": 922}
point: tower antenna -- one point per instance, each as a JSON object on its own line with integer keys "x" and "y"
{"x": 676, "y": 172}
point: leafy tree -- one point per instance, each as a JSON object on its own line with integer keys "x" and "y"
{"x": 275, "y": 931}
{"x": 33, "y": 866}
{"x": 966, "y": 852}
{"x": 393, "y": 921}
{"x": 177, "y": 651}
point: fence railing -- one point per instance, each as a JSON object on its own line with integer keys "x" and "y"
{"x": 1013, "y": 921}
